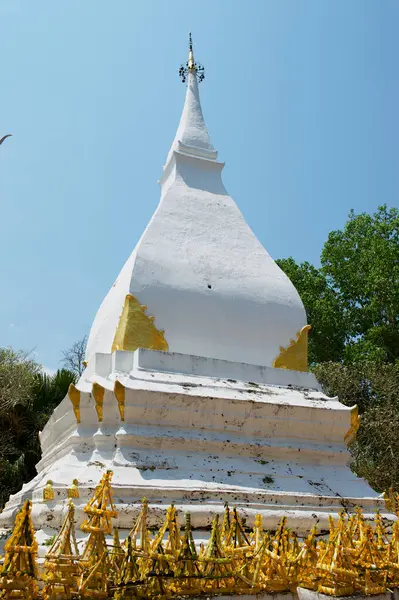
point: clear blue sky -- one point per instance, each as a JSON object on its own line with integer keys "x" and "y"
{"x": 301, "y": 99}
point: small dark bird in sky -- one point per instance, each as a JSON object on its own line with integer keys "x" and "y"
{"x": 5, "y": 137}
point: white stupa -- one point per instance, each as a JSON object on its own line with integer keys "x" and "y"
{"x": 196, "y": 389}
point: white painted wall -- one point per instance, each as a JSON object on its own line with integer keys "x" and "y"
{"x": 198, "y": 439}
{"x": 200, "y": 269}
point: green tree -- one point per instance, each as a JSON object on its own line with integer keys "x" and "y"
{"x": 27, "y": 399}
{"x": 352, "y": 301}
{"x": 361, "y": 263}
{"x": 373, "y": 386}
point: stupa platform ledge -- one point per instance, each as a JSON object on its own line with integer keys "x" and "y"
{"x": 143, "y": 364}
{"x": 197, "y": 152}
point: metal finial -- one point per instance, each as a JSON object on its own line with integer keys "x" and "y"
{"x": 191, "y": 65}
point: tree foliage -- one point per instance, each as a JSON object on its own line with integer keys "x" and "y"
{"x": 17, "y": 375}
{"x": 352, "y": 300}
{"x": 362, "y": 265}
{"x": 374, "y": 387}
{"x": 27, "y": 399}
{"x": 73, "y": 358}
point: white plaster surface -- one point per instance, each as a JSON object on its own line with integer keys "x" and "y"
{"x": 211, "y": 367}
{"x": 192, "y": 135}
{"x": 198, "y": 440}
{"x": 199, "y": 268}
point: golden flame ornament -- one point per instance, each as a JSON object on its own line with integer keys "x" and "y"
{"x": 137, "y": 330}
{"x": 295, "y": 356}
{"x": 73, "y": 491}
{"x": 48, "y": 492}
{"x": 74, "y": 396}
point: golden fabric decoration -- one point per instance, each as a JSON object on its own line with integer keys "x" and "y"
{"x": 359, "y": 556}
{"x": 116, "y": 555}
{"x": 74, "y": 396}
{"x": 95, "y": 561}
{"x": 73, "y": 491}
{"x": 355, "y": 423}
{"x": 48, "y": 492}
{"x": 119, "y": 391}
{"x": 98, "y": 394}
{"x": 61, "y": 562}
{"x": 295, "y": 356}
{"x": 137, "y": 330}
{"x": 19, "y": 575}
{"x": 391, "y": 500}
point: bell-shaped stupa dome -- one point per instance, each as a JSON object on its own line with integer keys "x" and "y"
{"x": 199, "y": 282}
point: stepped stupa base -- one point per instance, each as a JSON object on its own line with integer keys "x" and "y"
{"x": 198, "y": 433}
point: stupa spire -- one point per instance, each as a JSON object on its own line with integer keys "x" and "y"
{"x": 192, "y": 137}
{"x": 190, "y": 63}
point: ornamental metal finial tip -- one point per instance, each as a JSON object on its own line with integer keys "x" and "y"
{"x": 191, "y": 66}
{"x": 191, "y": 63}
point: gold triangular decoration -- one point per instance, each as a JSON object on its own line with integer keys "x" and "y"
{"x": 295, "y": 356}
{"x": 137, "y": 330}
